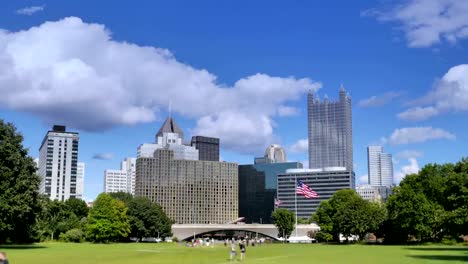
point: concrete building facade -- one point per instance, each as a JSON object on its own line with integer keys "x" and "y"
{"x": 122, "y": 180}
{"x": 58, "y": 164}
{"x": 373, "y": 193}
{"x": 189, "y": 191}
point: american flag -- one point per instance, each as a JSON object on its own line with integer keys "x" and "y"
{"x": 303, "y": 189}
{"x": 278, "y": 202}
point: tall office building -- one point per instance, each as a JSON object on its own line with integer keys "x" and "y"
{"x": 80, "y": 175}
{"x": 257, "y": 189}
{"x": 325, "y": 182}
{"x": 122, "y": 180}
{"x": 208, "y": 147}
{"x": 58, "y": 164}
{"x": 330, "y": 132}
{"x": 190, "y": 191}
{"x": 380, "y": 167}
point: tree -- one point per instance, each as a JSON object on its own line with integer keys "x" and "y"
{"x": 147, "y": 219}
{"x": 429, "y": 205}
{"x": 19, "y": 185}
{"x": 323, "y": 217}
{"x": 284, "y": 220}
{"x": 107, "y": 220}
{"x": 348, "y": 214}
{"x": 56, "y": 217}
{"x": 77, "y": 206}
{"x": 122, "y": 196}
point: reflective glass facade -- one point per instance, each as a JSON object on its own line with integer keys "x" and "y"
{"x": 330, "y": 132}
{"x": 257, "y": 189}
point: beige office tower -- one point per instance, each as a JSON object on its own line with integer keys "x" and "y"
{"x": 190, "y": 191}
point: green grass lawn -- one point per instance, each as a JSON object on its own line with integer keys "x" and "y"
{"x": 47, "y": 253}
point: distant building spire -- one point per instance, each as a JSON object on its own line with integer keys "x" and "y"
{"x": 170, "y": 126}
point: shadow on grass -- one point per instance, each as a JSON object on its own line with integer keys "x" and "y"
{"x": 21, "y": 247}
{"x": 439, "y": 248}
{"x": 442, "y": 257}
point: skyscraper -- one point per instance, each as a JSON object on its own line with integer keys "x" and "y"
{"x": 330, "y": 132}
{"x": 380, "y": 167}
{"x": 58, "y": 164}
{"x": 208, "y": 147}
{"x": 80, "y": 175}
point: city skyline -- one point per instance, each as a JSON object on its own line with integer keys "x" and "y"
{"x": 244, "y": 81}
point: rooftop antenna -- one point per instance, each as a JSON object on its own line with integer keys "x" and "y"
{"x": 170, "y": 108}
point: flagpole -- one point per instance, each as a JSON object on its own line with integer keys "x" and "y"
{"x": 295, "y": 199}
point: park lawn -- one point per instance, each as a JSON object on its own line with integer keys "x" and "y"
{"x": 47, "y": 253}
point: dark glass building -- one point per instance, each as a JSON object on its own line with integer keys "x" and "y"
{"x": 208, "y": 147}
{"x": 257, "y": 189}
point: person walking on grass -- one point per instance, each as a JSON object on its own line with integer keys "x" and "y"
{"x": 242, "y": 248}
{"x": 3, "y": 258}
{"x": 233, "y": 251}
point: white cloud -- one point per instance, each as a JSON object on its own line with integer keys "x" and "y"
{"x": 418, "y": 113}
{"x": 428, "y": 22}
{"x": 103, "y": 156}
{"x": 410, "y": 168}
{"x": 29, "y": 11}
{"x": 406, "y": 154}
{"x": 301, "y": 146}
{"x": 450, "y": 94}
{"x": 409, "y": 135}
{"x": 72, "y": 72}
{"x": 378, "y": 100}
{"x": 364, "y": 179}
{"x": 287, "y": 110}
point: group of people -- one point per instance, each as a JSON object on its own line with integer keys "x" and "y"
{"x": 233, "y": 248}
{"x": 3, "y": 258}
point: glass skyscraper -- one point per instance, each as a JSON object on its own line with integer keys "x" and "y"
{"x": 257, "y": 189}
{"x": 330, "y": 132}
{"x": 380, "y": 167}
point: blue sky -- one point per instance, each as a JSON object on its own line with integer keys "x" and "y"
{"x": 239, "y": 70}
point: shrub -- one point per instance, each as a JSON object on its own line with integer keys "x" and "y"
{"x": 73, "y": 235}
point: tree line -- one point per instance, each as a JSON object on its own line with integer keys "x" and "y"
{"x": 26, "y": 216}
{"x": 429, "y": 206}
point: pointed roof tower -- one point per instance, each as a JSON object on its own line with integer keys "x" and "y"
{"x": 170, "y": 126}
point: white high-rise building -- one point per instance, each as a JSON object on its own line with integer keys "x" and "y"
{"x": 170, "y": 136}
{"x": 122, "y": 180}
{"x": 58, "y": 164}
{"x": 80, "y": 175}
{"x": 380, "y": 167}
